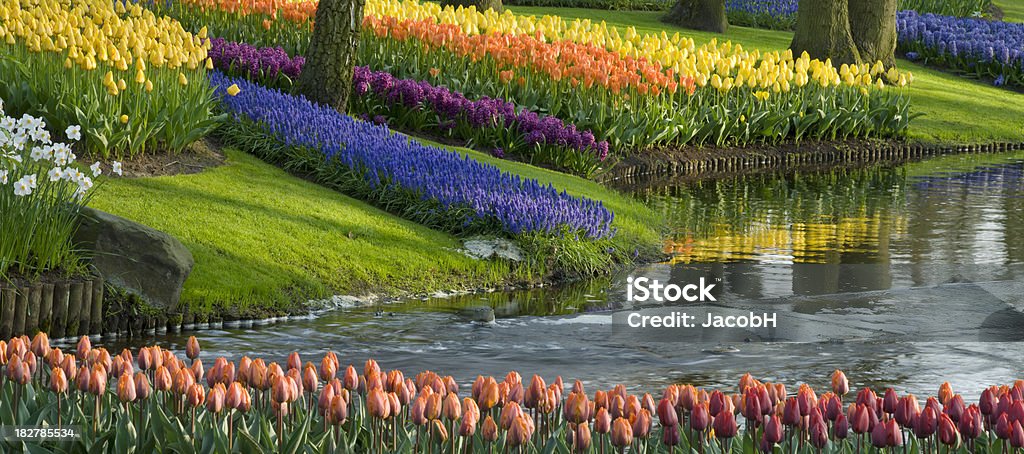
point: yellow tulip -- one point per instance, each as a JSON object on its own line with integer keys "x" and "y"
{"x": 124, "y": 119}
{"x": 233, "y": 90}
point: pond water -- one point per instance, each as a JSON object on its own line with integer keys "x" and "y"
{"x": 903, "y": 265}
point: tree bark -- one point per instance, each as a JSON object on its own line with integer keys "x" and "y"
{"x": 327, "y": 75}
{"x": 823, "y": 31}
{"x": 481, "y": 5}
{"x": 873, "y": 26}
{"x": 706, "y": 15}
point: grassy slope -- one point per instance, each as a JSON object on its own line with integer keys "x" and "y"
{"x": 1013, "y": 10}
{"x": 954, "y": 109}
{"x": 264, "y": 239}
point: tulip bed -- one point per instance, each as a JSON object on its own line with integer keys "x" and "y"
{"x": 491, "y": 124}
{"x": 115, "y": 69}
{"x": 432, "y": 186}
{"x": 152, "y": 399}
{"x": 981, "y": 48}
{"x": 635, "y": 91}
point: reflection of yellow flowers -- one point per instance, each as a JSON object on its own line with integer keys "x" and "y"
{"x": 233, "y": 90}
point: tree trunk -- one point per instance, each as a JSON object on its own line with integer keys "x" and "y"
{"x": 706, "y": 15}
{"x": 481, "y": 5}
{"x": 327, "y": 75}
{"x": 873, "y": 26}
{"x": 823, "y": 31}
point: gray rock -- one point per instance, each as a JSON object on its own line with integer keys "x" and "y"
{"x": 143, "y": 261}
{"x": 484, "y": 248}
{"x": 482, "y": 314}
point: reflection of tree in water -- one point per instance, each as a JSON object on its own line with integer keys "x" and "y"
{"x": 810, "y": 217}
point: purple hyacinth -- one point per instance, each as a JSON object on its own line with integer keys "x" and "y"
{"x": 463, "y": 187}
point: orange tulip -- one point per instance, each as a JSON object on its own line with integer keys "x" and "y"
{"x": 141, "y": 383}
{"x": 126, "y": 388}
{"x": 622, "y": 433}
{"x": 377, "y": 404}
{"x": 192, "y": 348}
{"x": 58, "y": 381}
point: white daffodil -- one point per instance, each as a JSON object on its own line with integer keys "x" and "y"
{"x": 22, "y": 187}
{"x": 31, "y": 180}
{"x": 117, "y": 168}
{"x": 74, "y": 175}
{"x": 74, "y": 132}
{"x": 96, "y": 170}
{"x": 55, "y": 174}
{"x": 3, "y": 177}
{"x": 84, "y": 184}
{"x": 8, "y": 124}
{"x": 41, "y": 135}
{"x": 37, "y": 153}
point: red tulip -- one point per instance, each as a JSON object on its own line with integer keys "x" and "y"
{"x": 670, "y": 436}
{"x": 948, "y": 434}
{"x": 725, "y": 425}
{"x": 806, "y": 399}
{"x": 907, "y": 410}
{"x": 841, "y": 427}
{"x": 642, "y": 424}
{"x": 688, "y": 397}
{"x": 954, "y": 407}
{"x": 666, "y": 412}
{"x": 927, "y": 423}
{"x": 988, "y": 402}
{"x": 860, "y": 420}
{"x": 700, "y": 418}
{"x": 751, "y": 406}
{"x": 889, "y": 401}
{"x": 971, "y": 423}
{"x": 1004, "y": 427}
{"x": 886, "y": 434}
{"x": 1017, "y": 435}
{"x": 819, "y": 435}
{"x": 791, "y": 412}
{"x": 773, "y": 430}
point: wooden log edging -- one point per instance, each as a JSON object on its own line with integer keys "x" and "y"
{"x": 758, "y": 160}
{"x": 61, "y": 309}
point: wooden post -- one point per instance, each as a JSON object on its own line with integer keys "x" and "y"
{"x": 35, "y": 299}
{"x": 61, "y": 298}
{"x": 7, "y": 297}
{"x": 74, "y": 308}
{"x": 96, "y": 317}
{"x": 85, "y": 317}
{"x": 20, "y": 311}
{"x": 46, "y": 309}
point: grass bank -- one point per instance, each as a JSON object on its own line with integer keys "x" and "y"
{"x": 265, "y": 241}
{"x": 953, "y": 109}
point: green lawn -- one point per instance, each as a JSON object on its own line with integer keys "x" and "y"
{"x": 1013, "y": 10}
{"x": 953, "y": 109}
{"x": 263, "y": 239}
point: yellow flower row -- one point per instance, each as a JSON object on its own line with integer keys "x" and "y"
{"x": 731, "y": 63}
{"x": 102, "y": 32}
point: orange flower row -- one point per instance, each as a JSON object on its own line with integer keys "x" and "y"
{"x": 584, "y": 64}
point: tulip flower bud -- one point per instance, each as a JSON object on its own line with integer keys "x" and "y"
{"x": 488, "y": 394}
{"x": 508, "y": 415}
{"x": 81, "y": 379}
{"x": 54, "y": 358}
{"x": 773, "y": 429}
{"x": 418, "y": 412}
{"x": 666, "y": 412}
{"x": 622, "y": 433}
{"x": 141, "y": 383}
{"x": 1003, "y": 427}
{"x": 192, "y": 348}
{"x": 602, "y": 421}
{"x": 945, "y": 393}
{"x": 988, "y": 402}
{"x": 642, "y": 424}
{"x": 3, "y": 353}
{"x": 215, "y": 399}
{"x": 162, "y": 379}
{"x": 971, "y": 423}
{"x": 439, "y": 432}
{"x": 183, "y": 381}
{"x": 337, "y": 411}
{"x": 17, "y": 371}
{"x": 819, "y": 436}
{"x": 840, "y": 385}
{"x": 58, "y": 381}
{"x": 97, "y": 381}
{"x": 378, "y": 406}
{"x": 126, "y": 388}
{"x": 328, "y": 369}
{"x": 197, "y": 371}
{"x": 452, "y": 408}
{"x": 324, "y": 402}
{"x": 948, "y": 434}
{"x": 489, "y": 430}
{"x": 310, "y": 380}
{"x": 83, "y": 348}
{"x": 577, "y": 408}
{"x": 29, "y": 361}
{"x": 533, "y": 393}
{"x": 954, "y": 407}
{"x": 40, "y": 345}
{"x": 1017, "y": 435}
{"x": 725, "y": 425}
{"x": 468, "y": 426}
{"x": 520, "y": 430}
{"x": 145, "y": 359}
{"x": 350, "y": 379}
